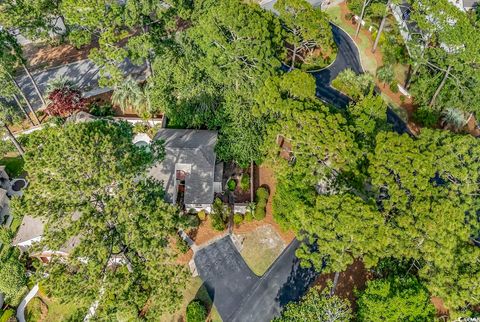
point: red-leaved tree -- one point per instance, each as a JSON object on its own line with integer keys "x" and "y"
{"x": 65, "y": 101}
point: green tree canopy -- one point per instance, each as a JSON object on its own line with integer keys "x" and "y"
{"x": 88, "y": 185}
{"x": 395, "y": 299}
{"x": 12, "y": 279}
{"x": 317, "y": 305}
{"x": 307, "y": 29}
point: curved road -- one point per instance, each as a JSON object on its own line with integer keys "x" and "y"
{"x": 347, "y": 57}
{"x": 238, "y": 294}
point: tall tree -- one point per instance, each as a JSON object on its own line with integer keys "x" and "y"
{"x": 447, "y": 75}
{"x": 36, "y": 20}
{"x": 395, "y": 299}
{"x": 87, "y": 183}
{"x": 11, "y": 56}
{"x": 129, "y": 95}
{"x": 343, "y": 228}
{"x": 317, "y": 305}
{"x": 426, "y": 188}
{"x": 307, "y": 29}
{"x": 122, "y": 29}
{"x": 8, "y": 116}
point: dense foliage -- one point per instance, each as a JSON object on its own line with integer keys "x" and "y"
{"x": 12, "y": 279}
{"x": 317, "y": 305}
{"x": 87, "y": 183}
{"x": 395, "y": 299}
{"x": 196, "y": 312}
{"x": 309, "y": 38}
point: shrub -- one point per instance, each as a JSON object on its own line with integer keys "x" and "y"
{"x": 182, "y": 245}
{"x": 217, "y": 222}
{"x": 202, "y": 215}
{"x": 103, "y": 110}
{"x": 218, "y": 215}
{"x": 353, "y": 85}
{"x": 6, "y": 315}
{"x": 237, "y": 219}
{"x": 260, "y": 210}
{"x": 426, "y": 116}
{"x": 192, "y": 221}
{"x": 248, "y": 216}
{"x": 393, "y": 86}
{"x": 140, "y": 127}
{"x": 262, "y": 194}
{"x": 196, "y": 311}
{"x": 231, "y": 184}
{"x": 64, "y": 102}
{"x": 245, "y": 182}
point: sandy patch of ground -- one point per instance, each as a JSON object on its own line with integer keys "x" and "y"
{"x": 261, "y": 247}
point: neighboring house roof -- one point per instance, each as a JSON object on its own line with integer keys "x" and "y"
{"x": 30, "y": 230}
{"x": 469, "y": 4}
{"x": 3, "y": 196}
{"x": 193, "y": 152}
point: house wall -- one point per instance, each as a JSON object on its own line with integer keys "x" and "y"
{"x": 199, "y": 207}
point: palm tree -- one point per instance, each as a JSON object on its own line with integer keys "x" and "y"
{"x": 129, "y": 95}
{"x": 454, "y": 117}
{"x": 59, "y": 83}
{"x": 8, "y": 117}
{"x": 386, "y": 74}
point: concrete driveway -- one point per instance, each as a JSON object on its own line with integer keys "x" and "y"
{"x": 241, "y": 296}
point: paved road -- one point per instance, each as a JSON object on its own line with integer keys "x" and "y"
{"x": 241, "y": 296}
{"x": 83, "y": 73}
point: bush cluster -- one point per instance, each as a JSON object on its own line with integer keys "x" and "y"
{"x": 245, "y": 182}
{"x": 196, "y": 312}
{"x": 260, "y": 208}
{"x": 237, "y": 218}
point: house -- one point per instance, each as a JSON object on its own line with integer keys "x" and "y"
{"x": 465, "y": 5}
{"x": 31, "y": 231}
{"x": 5, "y": 217}
{"x": 190, "y": 172}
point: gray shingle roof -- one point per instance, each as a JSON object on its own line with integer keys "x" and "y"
{"x": 194, "y": 148}
{"x": 467, "y": 4}
{"x": 29, "y": 229}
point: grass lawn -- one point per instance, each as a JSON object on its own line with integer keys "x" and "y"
{"x": 46, "y": 309}
{"x": 261, "y": 247}
{"x": 193, "y": 290}
{"x": 13, "y": 166}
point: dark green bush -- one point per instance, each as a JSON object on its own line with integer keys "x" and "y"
{"x": 260, "y": 210}
{"x": 101, "y": 110}
{"x": 192, "y": 221}
{"x": 426, "y": 116}
{"x": 245, "y": 182}
{"x": 182, "y": 245}
{"x": 262, "y": 194}
{"x": 231, "y": 184}
{"x": 217, "y": 222}
{"x": 196, "y": 311}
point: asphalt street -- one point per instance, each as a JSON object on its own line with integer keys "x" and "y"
{"x": 347, "y": 57}
{"x": 241, "y": 296}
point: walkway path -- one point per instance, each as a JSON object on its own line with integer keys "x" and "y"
{"x": 23, "y": 304}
